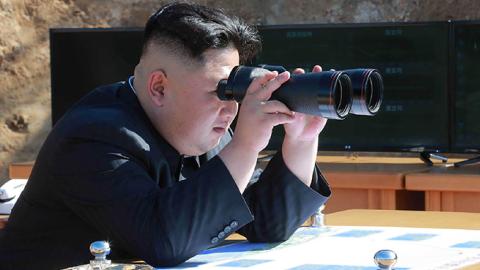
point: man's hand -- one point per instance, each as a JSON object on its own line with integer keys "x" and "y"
{"x": 304, "y": 127}
{"x": 300, "y": 145}
{"x": 257, "y": 117}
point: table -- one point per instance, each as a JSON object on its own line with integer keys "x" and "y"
{"x": 396, "y": 218}
{"x": 393, "y": 218}
{"x": 417, "y": 219}
{"x": 448, "y": 188}
{"x": 371, "y": 186}
{"x": 356, "y": 182}
{"x": 20, "y": 170}
{"x": 389, "y": 183}
{"x": 371, "y": 182}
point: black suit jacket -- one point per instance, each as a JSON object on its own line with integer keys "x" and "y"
{"x": 104, "y": 173}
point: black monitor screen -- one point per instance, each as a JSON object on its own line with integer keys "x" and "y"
{"x": 466, "y": 135}
{"x": 411, "y": 57}
{"x": 413, "y": 61}
{"x": 82, "y": 59}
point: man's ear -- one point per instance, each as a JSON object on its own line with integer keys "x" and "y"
{"x": 156, "y": 84}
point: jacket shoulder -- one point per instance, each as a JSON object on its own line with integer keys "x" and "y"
{"x": 105, "y": 116}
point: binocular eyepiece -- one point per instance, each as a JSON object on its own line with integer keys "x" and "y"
{"x": 330, "y": 94}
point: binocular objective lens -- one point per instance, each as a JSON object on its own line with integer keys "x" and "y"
{"x": 342, "y": 95}
{"x": 373, "y": 92}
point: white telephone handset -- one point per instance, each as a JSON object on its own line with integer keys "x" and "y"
{"x": 9, "y": 193}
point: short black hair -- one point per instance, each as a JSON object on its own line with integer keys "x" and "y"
{"x": 192, "y": 29}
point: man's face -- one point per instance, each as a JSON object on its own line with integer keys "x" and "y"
{"x": 198, "y": 118}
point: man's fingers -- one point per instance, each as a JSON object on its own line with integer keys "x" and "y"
{"x": 298, "y": 71}
{"x": 260, "y": 82}
{"x": 275, "y": 106}
{"x": 276, "y": 119}
{"x": 267, "y": 89}
{"x": 277, "y": 113}
{"x": 317, "y": 68}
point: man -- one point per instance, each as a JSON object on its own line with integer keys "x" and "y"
{"x": 111, "y": 167}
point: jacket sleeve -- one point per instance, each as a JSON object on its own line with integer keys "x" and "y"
{"x": 280, "y": 202}
{"x": 112, "y": 191}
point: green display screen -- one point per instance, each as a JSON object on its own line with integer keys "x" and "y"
{"x": 413, "y": 59}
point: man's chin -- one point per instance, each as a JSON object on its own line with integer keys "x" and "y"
{"x": 206, "y": 148}
{"x": 213, "y": 145}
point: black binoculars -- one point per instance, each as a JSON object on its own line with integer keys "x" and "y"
{"x": 329, "y": 94}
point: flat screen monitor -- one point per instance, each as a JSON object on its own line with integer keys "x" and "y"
{"x": 412, "y": 57}
{"x": 83, "y": 59}
{"x": 466, "y": 95}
